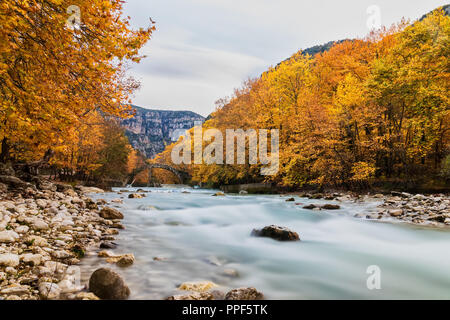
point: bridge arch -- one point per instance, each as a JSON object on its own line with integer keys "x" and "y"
{"x": 181, "y": 175}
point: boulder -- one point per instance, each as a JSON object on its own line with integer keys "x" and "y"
{"x": 15, "y": 183}
{"x": 218, "y": 194}
{"x": 310, "y": 206}
{"x": 277, "y": 233}
{"x": 9, "y": 260}
{"x": 395, "y": 212}
{"x": 244, "y": 294}
{"x": 108, "y": 245}
{"x": 107, "y": 284}
{"x": 125, "y": 260}
{"x": 49, "y": 290}
{"x": 136, "y": 195}
{"x": 330, "y": 206}
{"x": 193, "y": 296}
{"x": 201, "y": 286}
{"x": 90, "y": 204}
{"x": 38, "y": 224}
{"x": 33, "y": 259}
{"x": 8, "y": 236}
{"x": 110, "y": 213}
{"x": 84, "y": 189}
{"x": 290, "y": 199}
{"x": 86, "y": 296}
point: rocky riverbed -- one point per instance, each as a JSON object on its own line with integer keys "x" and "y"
{"x": 45, "y": 229}
{"x": 423, "y": 210}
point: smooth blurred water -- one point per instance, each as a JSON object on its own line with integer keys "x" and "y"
{"x": 192, "y": 230}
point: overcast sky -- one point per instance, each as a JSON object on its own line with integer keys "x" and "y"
{"x": 203, "y": 49}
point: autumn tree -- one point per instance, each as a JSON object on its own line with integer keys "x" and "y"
{"x": 54, "y": 74}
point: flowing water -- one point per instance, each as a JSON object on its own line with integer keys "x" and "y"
{"x": 198, "y": 237}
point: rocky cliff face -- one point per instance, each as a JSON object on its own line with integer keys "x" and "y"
{"x": 149, "y": 131}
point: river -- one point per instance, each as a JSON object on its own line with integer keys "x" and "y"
{"x": 198, "y": 237}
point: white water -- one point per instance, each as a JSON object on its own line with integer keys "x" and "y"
{"x": 191, "y": 230}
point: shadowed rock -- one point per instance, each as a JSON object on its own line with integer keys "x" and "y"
{"x": 107, "y": 284}
{"x": 244, "y": 294}
{"x": 110, "y": 213}
{"x": 277, "y": 233}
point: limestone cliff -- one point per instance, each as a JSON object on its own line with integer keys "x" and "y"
{"x": 149, "y": 131}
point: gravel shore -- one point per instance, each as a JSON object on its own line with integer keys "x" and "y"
{"x": 45, "y": 229}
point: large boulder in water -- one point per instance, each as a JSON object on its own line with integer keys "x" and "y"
{"x": 277, "y": 233}
{"x": 330, "y": 206}
{"x": 244, "y": 294}
{"x": 109, "y": 285}
{"x": 136, "y": 196}
{"x": 110, "y": 213}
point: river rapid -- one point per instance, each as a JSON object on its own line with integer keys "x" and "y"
{"x": 197, "y": 237}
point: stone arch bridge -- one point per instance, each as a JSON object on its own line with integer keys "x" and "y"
{"x": 181, "y": 175}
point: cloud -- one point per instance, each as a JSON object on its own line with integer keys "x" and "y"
{"x": 202, "y": 49}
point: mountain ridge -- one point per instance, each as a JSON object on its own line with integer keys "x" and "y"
{"x": 151, "y": 130}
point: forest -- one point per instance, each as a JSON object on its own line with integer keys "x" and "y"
{"x": 63, "y": 86}
{"x": 367, "y": 111}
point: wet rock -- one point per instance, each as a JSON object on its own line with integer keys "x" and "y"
{"x": 108, "y": 245}
{"x": 395, "y": 212}
{"x": 78, "y": 250}
{"x": 438, "y": 218}
{"x": 329, "y": 206}
{"x": 218, "y": 194}
{"x": 91, "y": 204}
{"x": 277, "y": 233}
{"x": 107, "y": 284}
{"x": 86, "y": 296}
{"x": 290, "y": 199}
{"x": 110, "y": 213}
{"x": 201, "y": 286}
{"x": 316, "y": 196}
{"x": 193, "y": 296}
{"x": 84, "y": 189}
{"x": 136, "y": 196}
{"x": 125, "y": 260}
{"x": 310, "y": 206}
{"x": 231, "y": 273}
{"x": 101, "y": 202}
{"x": 243, "y": 192}
{"x": 244, "y": 294}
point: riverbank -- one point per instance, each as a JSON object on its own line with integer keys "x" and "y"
{"x": 418, "y": 209}
{"x": 46, "y": 228}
